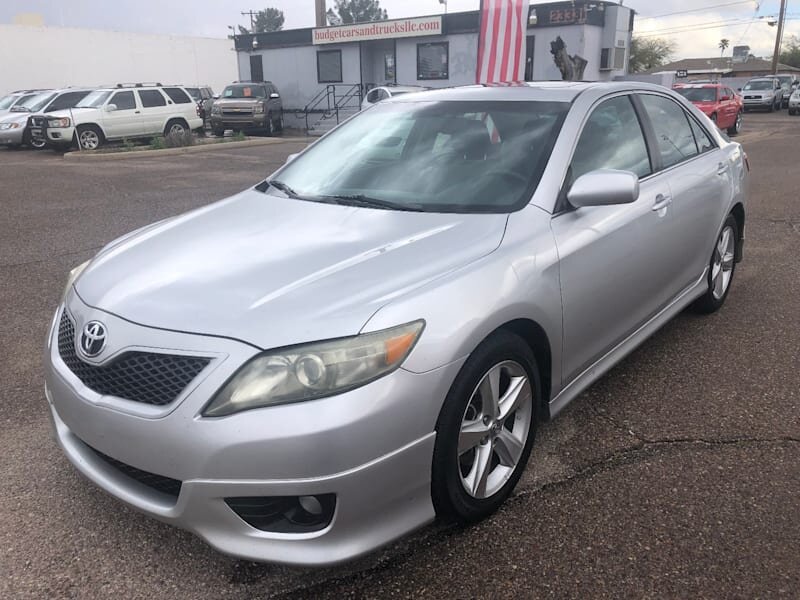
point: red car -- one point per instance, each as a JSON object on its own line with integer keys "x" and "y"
{"x": 719, "y": 102}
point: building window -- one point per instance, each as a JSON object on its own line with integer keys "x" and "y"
{"x": 433, "y": 61}
{"x": 329, "y": 66}
{"x": 388, "y": 66}
{"x": 619, "y": 58}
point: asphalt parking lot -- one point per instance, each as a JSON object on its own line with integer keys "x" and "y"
{"x": 676, "y": 475}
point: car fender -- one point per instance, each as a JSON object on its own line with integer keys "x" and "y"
{"x": 520, "y": 280}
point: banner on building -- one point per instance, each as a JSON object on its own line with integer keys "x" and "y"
{"x": 501, "y": 42}
{"x": 378, "y": 30}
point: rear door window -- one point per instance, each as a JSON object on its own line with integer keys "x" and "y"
{"x": 612, "y": 139}
{"x": 673, "y": 131}
{"x": 177, "y": 95}
{"x": 151, "y": 98}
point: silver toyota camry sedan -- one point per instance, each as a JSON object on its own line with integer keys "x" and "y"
{"x": 367, "y": 339}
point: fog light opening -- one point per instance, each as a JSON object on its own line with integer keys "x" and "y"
{"x": 311, "y": 505}
{"x": 285, "y": 514}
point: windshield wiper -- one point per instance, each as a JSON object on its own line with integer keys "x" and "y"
{"x": 362, "y": 200}
{"x": 279, "y": 185}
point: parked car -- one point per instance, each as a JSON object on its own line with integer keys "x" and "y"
{"x": 14, "y": 98}
{"x": 204, "y": 96}
{"x": 124, "y": 111}
{"x": 794, "y": 102}
{"x": 381, "y": 93}
{"x": 322, "y": 363}
{"x": 718, "y": 102}
{"x": 763, "y": 92}
{"x": 248, "y": 106}
{"x": 786, "y": 82}
{"x": 16, "y": 128}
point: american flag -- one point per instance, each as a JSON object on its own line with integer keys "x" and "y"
{"x": 502, "y": 40}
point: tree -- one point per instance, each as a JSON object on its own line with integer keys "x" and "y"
{"x": 791, "y": 52}
{"x": 650, "y": 53}
{"x": 357, "y": 11}
{"x": 723, "y": 45}
{"x": 269, "y": 19}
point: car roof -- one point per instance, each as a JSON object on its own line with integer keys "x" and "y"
{"x": 554, "y": 91}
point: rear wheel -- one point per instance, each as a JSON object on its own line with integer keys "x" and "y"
{"x": 219, "y": 132}
{"x": 176, "y": 127}
{"x": 721, "y": 269}
{"x": 486, "y": 429}
{"x": 737, "y": 125}
{"x": 89, "y": 137}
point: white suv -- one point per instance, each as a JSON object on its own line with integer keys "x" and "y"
{"x": 135, "y": 111}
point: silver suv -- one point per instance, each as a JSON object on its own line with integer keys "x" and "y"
{"x": 763, "y": 92}
{"x": 248, "y": 106}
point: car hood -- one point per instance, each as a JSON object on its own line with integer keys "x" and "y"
{"x": 272, "y": 271}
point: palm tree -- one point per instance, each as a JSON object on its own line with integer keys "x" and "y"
{"x": 723, "y": 45}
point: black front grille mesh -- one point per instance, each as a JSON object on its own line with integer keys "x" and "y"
{"x": 159, "y": 483}
{"x": 147, "y": 377}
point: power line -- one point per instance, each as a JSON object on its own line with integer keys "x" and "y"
{"x": 680, "y": 32}
{"x": 683, "y": 12}
{"x": 693, "y": 25}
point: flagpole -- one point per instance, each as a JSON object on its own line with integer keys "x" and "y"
{"x": 480, "y": 43}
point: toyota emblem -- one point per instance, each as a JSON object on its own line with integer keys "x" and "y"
{"x": 93, "y": 338}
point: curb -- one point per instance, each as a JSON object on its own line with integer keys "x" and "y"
{"x": 79, "y": 156}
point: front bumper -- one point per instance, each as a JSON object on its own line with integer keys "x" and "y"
{"x": 244, "y": 121}
{"x": 759, "y": 102}
{"x": 11, "y": 137}
{"x": 59, "y": 136}
{"x": 371, "y": 447}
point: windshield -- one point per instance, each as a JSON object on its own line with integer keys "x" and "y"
{"x": 699, "y": 94}
{"x": 759, "y": 85}
{"x": 431, "y": 156}
{"x": 93, "y": 99}
{"x": 35, "y": 103}
{"x": 7, "y": 101}
{"x": 194, "y": 92}
{"x": 244, "y": 91}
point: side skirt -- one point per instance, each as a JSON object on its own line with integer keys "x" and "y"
{"x": 628, "y": 345}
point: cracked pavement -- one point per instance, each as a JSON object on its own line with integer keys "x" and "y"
{"x": 676, "y": 475}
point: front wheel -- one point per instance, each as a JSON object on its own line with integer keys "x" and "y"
{"x": 35, "y": 143}
{"x": 486, "y": 429}
{"x": 89, "y": 137}
{"x": 721, "y": 269}
{"x": 737, "y": 125}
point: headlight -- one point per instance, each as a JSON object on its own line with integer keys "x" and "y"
{"x": 215, "y": 110}
{"x": 63, "y": 122}
{"x": 73, "y": 275}
{"x": 5, "y": 126}
{"x": 315, "y": 370}
{"x": 259, "y": 109}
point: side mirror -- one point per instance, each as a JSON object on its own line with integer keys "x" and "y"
{"x": 110, "y": 107}
{"x": 215, "y": 97}
{"x": 604, "y": 187}
{"x": 738, "y": 89}
{"x": 291, "y": 157}
{"x": 274, "y": 96}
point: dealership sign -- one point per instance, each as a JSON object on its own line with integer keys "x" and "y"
{"x": 378, "y": 30}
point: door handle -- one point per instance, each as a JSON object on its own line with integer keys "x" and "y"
{"x": 722, "y": 168}
{"x": 662, "y": 202}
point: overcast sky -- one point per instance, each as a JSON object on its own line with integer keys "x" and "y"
{"x": 718, "y": 19}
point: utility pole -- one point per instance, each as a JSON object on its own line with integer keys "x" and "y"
{"x": 319, "y": 10}
{"x": 781, "y": 20}
{"x": 252, "y": 14}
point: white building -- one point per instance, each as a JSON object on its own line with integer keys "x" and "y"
{"x": 51, "y": 57}
{"x": 437, "y": 51}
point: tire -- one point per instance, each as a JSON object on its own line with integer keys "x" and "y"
{"x": 176, "y": 127}
{"x": 279, "y": 125}
{"x": 219, "y": 132}
{"x": 722, "y": 268}
{"x": 771, "y": 107}
{"x": 269, "y": 129}
{"x": 792, "y": 112}
{"x": 89, "y": 137}
{"x": 27, "y": 140}
{"x": 736, "y": 128}
{"x": 487, "y": 440}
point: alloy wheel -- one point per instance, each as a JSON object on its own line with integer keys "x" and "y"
{"x": 89, "y": 139}
{"x": 722, "y": 269}
{"x": 176, "y": 129}
{"x": 494, "y": 429}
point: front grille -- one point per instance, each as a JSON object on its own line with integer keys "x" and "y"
{"x": 38, "y": 121}
{"x": 148, "y": 377}
{"x": 238, "y": 113}
{"x": 159, "y": 483}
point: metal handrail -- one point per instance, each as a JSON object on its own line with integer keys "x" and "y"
{"x": 333, "y": 100}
